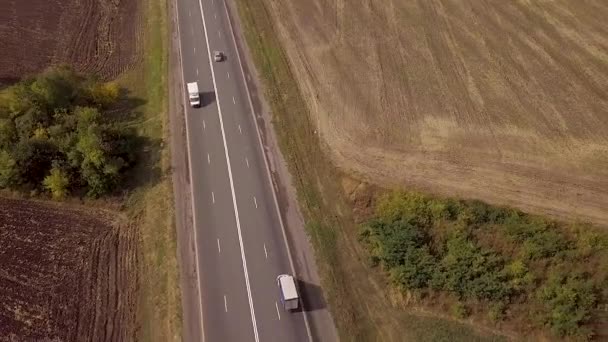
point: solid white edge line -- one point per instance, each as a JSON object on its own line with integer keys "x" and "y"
{"x": 236, "y": 210}
{"x": 225, "y": 303}
{"x": 208, "y": 159}
{"x": 255, "y": 201}
{"x": 274, "y": 195}
{"x": 213, "y": 196}
{"x": 277, "y": 306}
{"x": 233, "y": 100}
{"x": 198, "y": 272}
{"x": 219, "y": 249}
{"x": 265, "y": 251}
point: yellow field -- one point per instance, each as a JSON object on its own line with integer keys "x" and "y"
{"x": 501, "y": 100}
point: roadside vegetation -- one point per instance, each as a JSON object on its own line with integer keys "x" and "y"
{"x": 497, "y": 262}
{"x": 150, "y": 204}
{"x": 57, "y": 134}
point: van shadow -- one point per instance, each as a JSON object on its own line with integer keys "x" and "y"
{"x": 311, "y": 297}
{"x": 207, "y": 98}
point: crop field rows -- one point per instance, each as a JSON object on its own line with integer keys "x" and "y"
{"x": 94, "y": 36}
{"x": 503, "y": 101}
{"x": 66, "y": 275}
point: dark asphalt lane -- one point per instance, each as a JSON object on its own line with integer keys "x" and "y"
{"x": 239, "y": 256}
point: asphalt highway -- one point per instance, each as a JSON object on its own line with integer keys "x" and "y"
{"x": 240, "y": 242}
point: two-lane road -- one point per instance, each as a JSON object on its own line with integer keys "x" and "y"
{"x": 239, "y": 239}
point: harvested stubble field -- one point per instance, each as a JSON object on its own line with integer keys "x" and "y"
{"x": 66, "y": 274}
{"x": 500, "y": 100}
{"x": 94, "y": 36}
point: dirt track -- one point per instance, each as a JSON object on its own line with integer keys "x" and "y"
{"x": 66, "y": 275}
{"x": 95, "y": 36}
{"x": 505, "y": 101}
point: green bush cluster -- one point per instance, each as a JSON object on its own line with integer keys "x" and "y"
{"x": 436, "y": 244}
{"x": 54, "y": 135}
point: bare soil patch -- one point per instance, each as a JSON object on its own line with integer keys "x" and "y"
{"x": 504, "y": 101}
{"x": 94, "y": 36}
{"x": 68, "y": 273}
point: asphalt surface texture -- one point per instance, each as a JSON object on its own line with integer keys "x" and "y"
{"x": 240, "y": 243}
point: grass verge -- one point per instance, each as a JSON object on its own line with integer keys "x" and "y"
{"x": 151, "y": 203}
{"x": 355, "y": 292}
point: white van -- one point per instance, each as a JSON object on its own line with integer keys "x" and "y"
{"x": 288, "y": 292}
{"x": 193, "y": 94}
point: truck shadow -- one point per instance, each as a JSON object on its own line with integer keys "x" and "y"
{"x": 207, "y": 98}
{"x": 311, "y": 297}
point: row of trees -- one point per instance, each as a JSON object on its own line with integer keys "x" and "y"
{"x": 56, "y": 136}
{"x": 496, "y": 256}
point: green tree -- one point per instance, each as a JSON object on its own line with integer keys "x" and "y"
{"x": 90, "y": 146}
{"x": 86, "y": 116}
{"x": 8, "y": 133}
{"x": 99, "y": 181}
{"x": 104, "y": 94}
{"x": 34, "y": 159}
{"x": 18, "y": 98}
{"x": 57, "y": 182}
{"x": 29, "y": 121}
{"x": 55, "y": 88}
{"x": 9, "y": 174}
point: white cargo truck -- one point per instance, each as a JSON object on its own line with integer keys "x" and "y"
{"x": 288, "y": 292}
{"x": 193, "y": 94}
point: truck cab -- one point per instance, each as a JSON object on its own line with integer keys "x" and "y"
{"x": 288, "y": 292}
{"x": 193, "y": 94}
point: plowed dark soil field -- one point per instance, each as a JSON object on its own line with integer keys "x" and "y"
{"x": 65, "y": 274}
{"x": 98, "y": 36}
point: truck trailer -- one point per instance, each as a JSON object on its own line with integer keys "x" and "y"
{"x": 194, "y": 95}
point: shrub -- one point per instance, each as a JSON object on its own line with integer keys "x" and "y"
{"x": 104, "y": 94}
{"x": 8, "y": 133}
{"x": 57, "y": 182}
{"x": 459, "y": 310}
{"x": 471, "y": 272}
{"x": 9, "y": 174}
{"x": 496, "y": 313}
{"x": 569, "y": 301}
{"x": 449, "y": 246}
{"x": 417, "y": 269}
{"x": 393, "y": 242}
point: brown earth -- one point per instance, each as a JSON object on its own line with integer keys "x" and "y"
{"x": 504, "y": 101}
{"x": 66, "y": 274}
{"x": 94, "y": 36}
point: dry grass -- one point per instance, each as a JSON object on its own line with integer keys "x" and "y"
{"x": 505, "y": 101}
{"x": 151, "y": 204}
